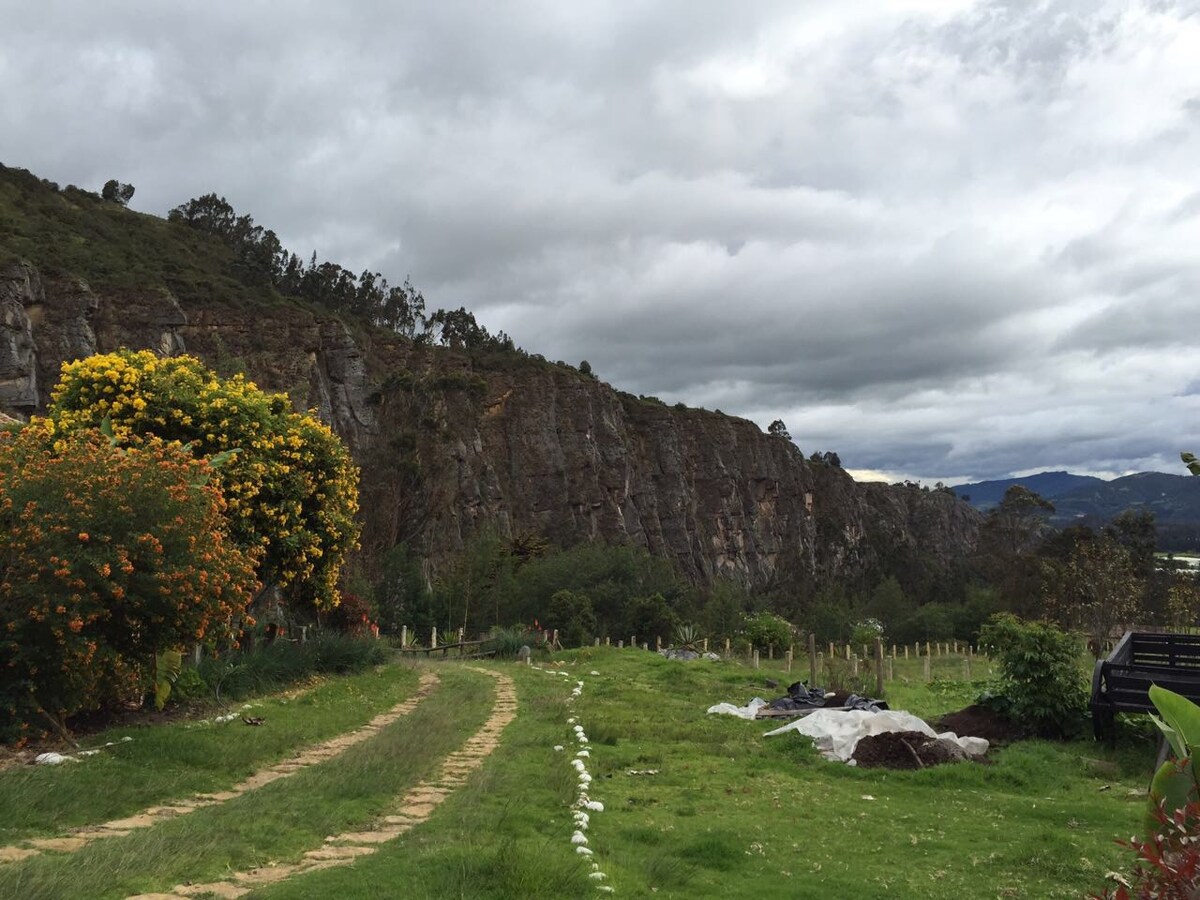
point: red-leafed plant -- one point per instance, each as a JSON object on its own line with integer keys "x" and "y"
{"x": 1168, "y": 861}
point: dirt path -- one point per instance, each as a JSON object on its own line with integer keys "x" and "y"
{"x": 411, "y": 810}
{"x": 310, "y": 756}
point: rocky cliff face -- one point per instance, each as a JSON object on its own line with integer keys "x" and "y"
{"x": 451, "y": 445}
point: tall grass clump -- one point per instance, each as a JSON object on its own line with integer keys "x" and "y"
{"x": 281, "y": 663}
{"x": 506, "y": 643}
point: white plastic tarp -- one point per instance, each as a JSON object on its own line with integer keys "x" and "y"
{"x": 749, "y": 711}
{"x": 835, "y": 733}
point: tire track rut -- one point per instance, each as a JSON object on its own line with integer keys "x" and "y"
{"x": 152, "y": 815}
{"x": 412, "y": 809}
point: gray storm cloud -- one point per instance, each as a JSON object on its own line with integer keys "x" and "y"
{"x": 948, "y": 239}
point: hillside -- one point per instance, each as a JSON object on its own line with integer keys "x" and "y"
{"x": 453, "y": 443}
{"x": 1174, "y": 501}
{"x": 983, "y": 495}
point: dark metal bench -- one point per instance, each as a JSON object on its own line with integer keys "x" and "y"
{"x": 1121, "y": 683}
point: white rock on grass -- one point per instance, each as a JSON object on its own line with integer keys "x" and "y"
{"x": 52, "y": 759}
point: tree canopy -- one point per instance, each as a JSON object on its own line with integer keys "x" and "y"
{"x": 108, "y": 555}
{"x": 291, "y": 489}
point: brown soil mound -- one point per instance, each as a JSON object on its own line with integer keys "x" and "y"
{"x": 904, "y": 750}
{"x": 979, "y": 721}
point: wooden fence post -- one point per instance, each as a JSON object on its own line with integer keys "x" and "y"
{"x": 789, "y": 660}
{"x": 704, "y": 644}
{"x": 633, "y": 641}
{"x": 403, "y": 635}
{"x": 891, "y": 674}
{"x": 596, "y": 643}
{"x": 657, "y": 642}
{"x": 727, "y": 654}
{"x": 812, "y": 659}
{"x": 433, "y": 636}
{"x": 878, "y": 667}
{"x": 756, "y": 659}
{"x": 620, "y": 645}
{"x": 607, "y": 641}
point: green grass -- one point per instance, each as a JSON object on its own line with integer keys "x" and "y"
{"x": 1033, "y": 824}
{"x": 728, "y": 814}
{"x": 732, "y": 814}
{"x": 504, "y": 835}
{"x": 174, "y": 761}
{"x": 276, "y": 822}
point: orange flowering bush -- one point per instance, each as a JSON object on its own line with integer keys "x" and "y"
{"x": 107, "y": 556}
{"x": 291, "y": 490}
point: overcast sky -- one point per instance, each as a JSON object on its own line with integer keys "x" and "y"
{"x": 950, "y": 240}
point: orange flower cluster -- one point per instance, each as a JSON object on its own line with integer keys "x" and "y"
{"x": 291, "y": 490}
{"x": 109, "y": 555}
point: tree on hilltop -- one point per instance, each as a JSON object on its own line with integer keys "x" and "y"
{"x": 116, "y": 192}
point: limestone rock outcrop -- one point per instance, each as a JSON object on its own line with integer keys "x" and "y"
{"x": 451, "y": 445}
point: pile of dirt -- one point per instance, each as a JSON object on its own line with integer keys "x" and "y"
{"x": 979, "y": 721}
{"x": 904, "y": 750}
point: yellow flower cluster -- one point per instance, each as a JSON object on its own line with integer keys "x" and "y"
{"x": 291, "y": 489}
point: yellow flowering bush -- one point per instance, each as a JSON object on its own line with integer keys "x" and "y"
{"x": 291, "y": 490}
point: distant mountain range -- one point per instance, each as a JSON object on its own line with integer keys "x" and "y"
{"x": 983, "y": 495}
{"x": 1173, "y": 499}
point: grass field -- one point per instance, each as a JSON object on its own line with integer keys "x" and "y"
{"x": 694, "y": 805}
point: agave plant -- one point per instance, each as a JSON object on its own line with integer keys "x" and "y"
{"x": 687, "y": 637}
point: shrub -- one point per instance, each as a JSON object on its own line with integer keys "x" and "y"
{"x": 274, "y": 665}
{"x": 768, "y": 630}
{"x": 1168, "y": 861}
{"x": 1041, "y": 682}
{"x": 572, "y": 615}
{"x": 110, "y": 556}
{"x": 291, "y": 489}
{"x": 650, "y": 617}
{"x": 352, "y": 616}
{"x": 865, "y": 632}
{"x": 506, "y": 643}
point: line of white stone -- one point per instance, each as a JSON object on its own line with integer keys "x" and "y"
{"x": 584, "y": 806}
